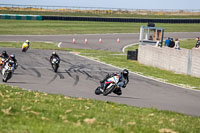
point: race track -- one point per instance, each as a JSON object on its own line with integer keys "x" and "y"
{"x": 79, "y": 77}
{"x": 109, "y": 41}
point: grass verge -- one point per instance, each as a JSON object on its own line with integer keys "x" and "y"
{"x": 35, "y": 112}
{"x": 122, "y": 62}
{"x": 33, "y": 27}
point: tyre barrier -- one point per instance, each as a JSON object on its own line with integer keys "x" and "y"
{"x": 136, "y": 20}
{"x": 132, "y": 55}
{"x": 20, "y": 17}
{"x": 130, "y": 20}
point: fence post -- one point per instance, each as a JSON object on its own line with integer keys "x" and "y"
{"x": 189, "y": 65}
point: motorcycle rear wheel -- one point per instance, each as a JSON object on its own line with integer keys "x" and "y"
{"x": 97, "y": 91}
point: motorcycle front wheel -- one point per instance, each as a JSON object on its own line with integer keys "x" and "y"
{"x": 108, "y": 90}
{"x": 5, "y": 77}
{"x": 24, "y": 49}
{"x": 55, "y": 68}
{"x": 4, "y": 80}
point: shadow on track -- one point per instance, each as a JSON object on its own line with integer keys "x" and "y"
{"x": 20, "y": 82}
{"x": 124, "y": 97}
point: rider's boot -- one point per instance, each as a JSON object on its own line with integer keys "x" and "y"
{"x": 102, "y": 81}
{"x": 118, "y": 91}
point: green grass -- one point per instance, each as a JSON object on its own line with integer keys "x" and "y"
{"x": 35, "y": 45}
{"x": 33, "y": 27}
{"x": 131, "y": 48}
{"x": 90, "y": 14}
{"x": 35, "y": 112}
{"x": 121, "y": 61}
{"x": 188, "y": 44}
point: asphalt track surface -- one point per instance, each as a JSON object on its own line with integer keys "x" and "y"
{"x": 79, "y": 77}
{"x": 109, "y": 41}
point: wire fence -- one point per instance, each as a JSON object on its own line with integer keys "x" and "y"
{"x": 99, "y": 10}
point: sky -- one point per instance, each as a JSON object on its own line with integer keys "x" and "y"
{"x": 129, "y": 4}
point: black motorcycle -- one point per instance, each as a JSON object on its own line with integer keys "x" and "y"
{"x": 55, "y": 64}
{"x": 109, "y": 86}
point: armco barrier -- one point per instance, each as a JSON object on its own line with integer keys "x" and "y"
{"x": 137, "y": 20}
{"x": 20, "y": 17}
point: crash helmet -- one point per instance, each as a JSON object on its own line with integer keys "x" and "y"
{"x": 27, "y": 41}
{"x": 12, "y": 56}
{"x": 125, "y": 73}
{"x": 4, "y": 53}
{"x": 53, "y": 53}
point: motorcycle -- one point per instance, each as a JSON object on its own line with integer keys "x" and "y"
{"x": 7, "y": 71}
{"x": 2, "y": 60}
{"x": 55, "y": 64}
{"x": 25, "y": 47}
{"x": 109, "y": 86}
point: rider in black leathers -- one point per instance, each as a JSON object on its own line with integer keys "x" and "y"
{"x": 54, "y": 55}
{"x": 11, "y": 58}
{"x": 123, "y": 81}
{"x": 4, "y": 55}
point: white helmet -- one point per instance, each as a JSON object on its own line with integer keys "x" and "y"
{"x": 27, "y": 41}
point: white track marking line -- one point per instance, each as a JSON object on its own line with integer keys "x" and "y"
{"x": 59, "y": 44}
{"x": 123, "y": 50}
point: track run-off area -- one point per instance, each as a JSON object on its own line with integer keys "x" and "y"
{"x": 79, "y": 76}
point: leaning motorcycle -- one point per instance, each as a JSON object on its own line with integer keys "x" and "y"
{"x": 25, "y": 47}
{"x": 2, "y": 60}
{"x": 7, "y": 71}
{"x": 109, "y": 86}
{"x": 55, "y": 64}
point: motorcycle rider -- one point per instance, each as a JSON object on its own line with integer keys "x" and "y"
{"x": 123, "y": 81}
{"x": 26, "y": 43}
{"x": 13, "y": 59}
{"x": 4, "y": 55}
{"x": 54, "y": 55}
{"x": 10, "y": 60}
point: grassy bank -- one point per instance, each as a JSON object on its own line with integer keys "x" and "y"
{"x": 32, "y": 27}
{"x": 35, "y": 112}
{"x": 35, "y": 45}
{"x": 121, "y": 61}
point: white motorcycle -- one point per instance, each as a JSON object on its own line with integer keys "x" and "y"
{"x": 109, "y": 86}
{"x": 7, "y": 71}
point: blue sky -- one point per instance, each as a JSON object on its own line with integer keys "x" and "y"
{"x": 132, "y": 4}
